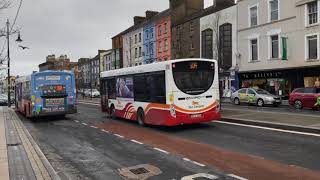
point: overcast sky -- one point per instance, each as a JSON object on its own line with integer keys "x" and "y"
{"x": 77, "y": 28}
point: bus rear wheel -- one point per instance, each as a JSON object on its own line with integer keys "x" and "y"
{"x": 140, "y": 117}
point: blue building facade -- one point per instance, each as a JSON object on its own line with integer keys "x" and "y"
{"x": 149, "y": 43}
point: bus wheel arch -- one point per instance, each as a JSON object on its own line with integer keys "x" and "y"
{"x": 141, "y": 116}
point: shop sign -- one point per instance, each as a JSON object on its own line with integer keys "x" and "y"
{"x": 262, "y": 75}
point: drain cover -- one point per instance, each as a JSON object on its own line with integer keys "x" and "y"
{"x": 141, "y": 172}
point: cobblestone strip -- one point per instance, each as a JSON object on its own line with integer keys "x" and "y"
{"x": 42, "y": 168}
{"x": 4, "y": 166}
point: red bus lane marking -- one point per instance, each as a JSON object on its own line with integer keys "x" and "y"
{"x": 242, "y": 165}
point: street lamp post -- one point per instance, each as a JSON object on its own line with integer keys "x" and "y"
{"x": 8, "y": 59}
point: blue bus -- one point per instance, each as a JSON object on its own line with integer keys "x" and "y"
{"x": 46, "y": 93}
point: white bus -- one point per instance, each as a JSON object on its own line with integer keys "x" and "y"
{"x": 167, "y": 93}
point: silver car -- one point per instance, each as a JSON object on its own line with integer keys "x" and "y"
{"x": 259, "y": 97}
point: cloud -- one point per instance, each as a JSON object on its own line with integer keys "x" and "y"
{"x": 77, "y": 28}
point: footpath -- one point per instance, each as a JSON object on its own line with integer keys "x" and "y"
{"x": 20, "y": 156}
{"x": 305, "y": 121}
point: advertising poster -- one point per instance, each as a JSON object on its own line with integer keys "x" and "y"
{"x": 125, "y": 87}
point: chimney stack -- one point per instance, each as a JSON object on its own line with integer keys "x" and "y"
{"x": 138, "y": 20}
{"x": 150, "y": 14}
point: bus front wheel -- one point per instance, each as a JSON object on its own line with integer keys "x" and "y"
{"x": 112, "y": 112}
{"x": 140, "y": 117}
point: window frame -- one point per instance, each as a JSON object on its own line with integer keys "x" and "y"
{"x": 249, "y": 15}
{"x": 307, "y": 55}
{"x": 270, "y": 11}
{"x": 250, "y": 49}
{"x": 307, "y": 24}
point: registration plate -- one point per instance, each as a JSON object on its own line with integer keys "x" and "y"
{"x": 194, "y": 116}
{"x": 55, "y": 101}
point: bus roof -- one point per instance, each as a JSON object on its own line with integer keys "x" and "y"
{"x": 160, "y": 66}
{"x": 28, "y": 78}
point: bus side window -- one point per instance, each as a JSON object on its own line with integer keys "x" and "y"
{"x": 150, "y": 87}
{"x": 139, "y": 88}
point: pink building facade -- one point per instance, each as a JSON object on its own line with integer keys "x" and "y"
{"x": 163, "y": 38}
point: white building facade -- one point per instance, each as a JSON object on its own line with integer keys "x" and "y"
{"x": 218, "y": 40}
{"x": 278, "y": 44}
{"x": 133, "y": 47}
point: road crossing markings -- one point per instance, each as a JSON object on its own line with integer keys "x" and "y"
{"x": 118, "y": 135}
{"x": 271, "y": 129}
{"x": 84, "y": 124}
{"x": 194, "y": 162}
{"x": 237, "y": 177}
{"x": 94, "y": 127}
{"x": 161, "y": 150}
{"x": 135, "y": 141}
{"x": 76, "y": 121}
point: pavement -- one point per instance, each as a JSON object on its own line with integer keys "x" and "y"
{"x": 20, "y": 156}
{"x": 274, "y": 117}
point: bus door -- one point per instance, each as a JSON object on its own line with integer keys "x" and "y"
{"x": 104, "y": 96}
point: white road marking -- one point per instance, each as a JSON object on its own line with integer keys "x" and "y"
{"x": 105, "y": 131}
{"x": 194, "y": 162}
{"x": 76, "y": 121}
{"x": 161, "y": 150}
{"x": 271, "y": 129}
{"x": 84, "y": 124}
{"x": 238, "y": 177}
{"x": 135, "y": 141}
{"x": 200, "y": 175}
{"x": 118, "y": 135}
{"x": 88, "y": 103}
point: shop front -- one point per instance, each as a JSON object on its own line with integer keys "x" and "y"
{"x": 281, "y": 82}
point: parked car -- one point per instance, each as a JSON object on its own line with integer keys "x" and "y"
{"x": 92, "y": 93}
{"x": 259, "y": 97}
{"x": 305, "y": 98}
{"x": 3, "y": 100}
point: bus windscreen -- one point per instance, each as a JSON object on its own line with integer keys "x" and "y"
{"x": 193, "y": 77}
